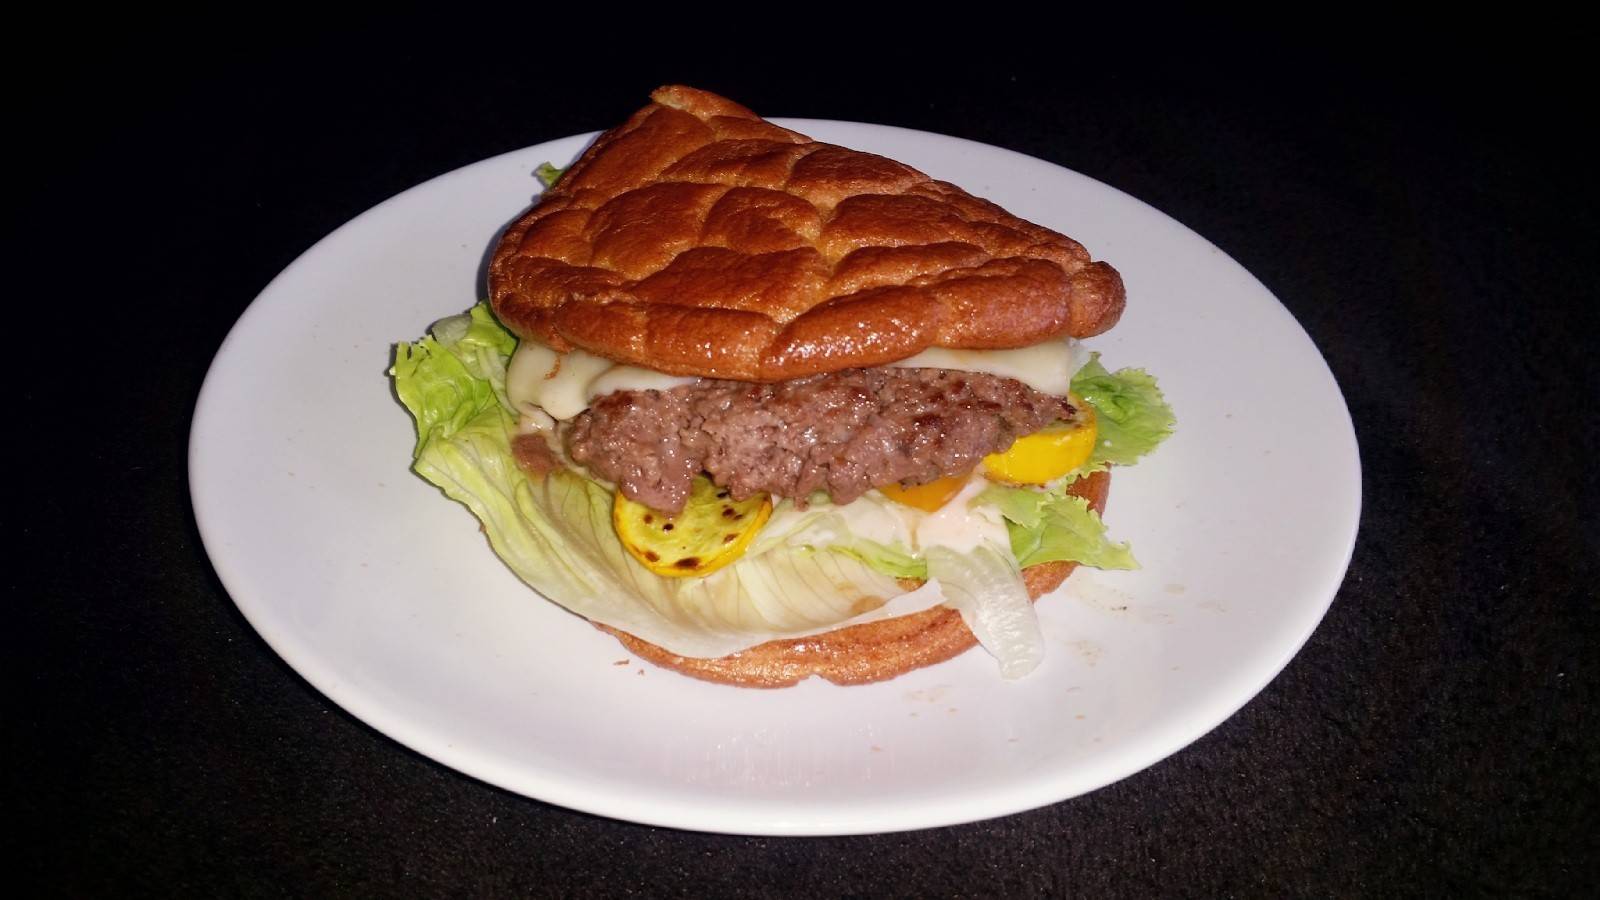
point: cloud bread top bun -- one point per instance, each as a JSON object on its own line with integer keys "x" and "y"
{"x": 699, "y": 239}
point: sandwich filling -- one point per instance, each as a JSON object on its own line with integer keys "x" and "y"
{"x": 821, "y": 548}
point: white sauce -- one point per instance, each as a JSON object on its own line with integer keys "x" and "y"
{"x": 961, "y": 528}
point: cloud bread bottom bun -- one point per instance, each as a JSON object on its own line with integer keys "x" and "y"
{"x": 861, "y": 654}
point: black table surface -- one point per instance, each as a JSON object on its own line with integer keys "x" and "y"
{"x": 1430, "y": 221}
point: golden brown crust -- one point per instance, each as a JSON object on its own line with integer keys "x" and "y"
{"x": 861, "y": 653}
{"x": 699, "y": 239}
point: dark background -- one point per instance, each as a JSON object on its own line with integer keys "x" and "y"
{"x": 1422, "y": 200}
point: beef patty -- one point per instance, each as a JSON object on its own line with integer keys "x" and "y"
{"x": 844, "y": 432}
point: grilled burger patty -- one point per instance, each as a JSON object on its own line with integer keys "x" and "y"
{"x": 844, "y": 432}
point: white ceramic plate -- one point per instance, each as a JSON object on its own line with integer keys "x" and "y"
{"x": 386, "y": 597}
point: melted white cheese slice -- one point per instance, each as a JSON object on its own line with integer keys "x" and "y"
{"x": 564, "y": 384}
{"x": 1046, "y": 367}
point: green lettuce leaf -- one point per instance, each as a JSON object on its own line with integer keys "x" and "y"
{"x": 1050, "y": 526}
{"x": 481, "y": 344}
{"x": 985, "y": 585}
{"x": 1131, "y": 414}
{"x": 895, "y": 562}
{"x": 441, "y": 392}
{"x": 549, "y": 174}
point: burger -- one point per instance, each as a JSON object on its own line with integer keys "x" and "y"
{"x": 767, "y": 408}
